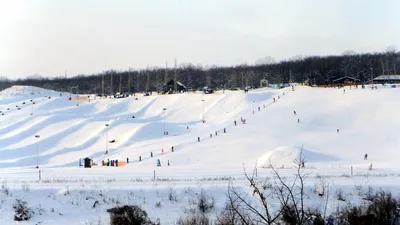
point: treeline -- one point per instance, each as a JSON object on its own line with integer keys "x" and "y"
{"x": 317, "y": 70}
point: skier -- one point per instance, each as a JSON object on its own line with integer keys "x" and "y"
{"x": 140, "y": 158}
{"x": 127, "y": 160}
{"x": 302, "y": 163}
{"x": 162, "y": 151}
{"x": 259, "y": 108}
{"x": 344, "y": 91}
{"x": 198, "y": 139}
{"x": 298, "y": 120}
{"x": 168, "y": 162}
{"x": 365, "y": 156}
{"x": 172, "y": 148}
{"x": 279, "y": 97}
{"x": 151, "y": 154}
{"x": 294, "y": 112}
{"x": 224, "y": 130}
{"x": 210, "y": 135}
{"x": 234, "y": 122}
{"x": 337, "y": 131}
{"x": 216, "y": 133}
{"x": 274, "y": 99}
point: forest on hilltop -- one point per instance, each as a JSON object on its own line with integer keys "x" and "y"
{"x": 319, "y": 70}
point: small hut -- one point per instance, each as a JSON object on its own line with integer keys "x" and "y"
{"x": 345, "y": 80}
{"x": 87, "y": 162}
{"x": 170, "y": 87}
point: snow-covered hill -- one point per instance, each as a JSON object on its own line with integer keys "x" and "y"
{"x": 333, "y": 128}
{"x": 366, "y": 120}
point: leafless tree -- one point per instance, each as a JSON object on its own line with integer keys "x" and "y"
{"x": 264, "y": 210}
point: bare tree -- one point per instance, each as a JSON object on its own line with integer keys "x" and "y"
{"x": 290, "y": 194}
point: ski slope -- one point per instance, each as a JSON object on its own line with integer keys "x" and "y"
{"x": 272, "y": 136}
{"x": 366, "y": 120}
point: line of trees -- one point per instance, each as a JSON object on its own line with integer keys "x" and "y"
{"x": 317, "y": 70}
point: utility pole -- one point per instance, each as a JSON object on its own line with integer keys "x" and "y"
{"x": 37, "y": 150}
{"x": 137, "y": 81}
{"x": 120, "y": 83}
{"x": 129, "y": 81}
{"x": 111, "y": 84}
{"x": 166, "y": 73}
{"x": 157, "y": 89}
{"x": 208, "y": 79}
{"x": 102, "y": 85}
{"x": 175, "y": 78}
{"x": 148, "y": 80}
{"x": 241, "y": 73}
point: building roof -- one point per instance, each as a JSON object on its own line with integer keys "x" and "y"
{"x": 387, "y": 77}
{"x": 346, "y": 77}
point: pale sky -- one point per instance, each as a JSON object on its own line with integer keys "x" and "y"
{"x": 89, "y": 36}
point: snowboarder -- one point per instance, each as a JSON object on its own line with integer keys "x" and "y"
{"x": 294, "y": 112}
{"x": 365, "y": 156}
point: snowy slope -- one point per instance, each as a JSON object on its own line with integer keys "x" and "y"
{"x": 366, "y": 121}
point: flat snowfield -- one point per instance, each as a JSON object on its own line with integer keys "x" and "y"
{"x": 333, "y": 129}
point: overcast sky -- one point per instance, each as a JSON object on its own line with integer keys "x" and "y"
{"x": 88, "y": 36}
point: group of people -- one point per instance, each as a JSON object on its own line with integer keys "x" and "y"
{"x": 113, "y": 162}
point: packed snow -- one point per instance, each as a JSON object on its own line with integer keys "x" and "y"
{"x": 331, "y": 129}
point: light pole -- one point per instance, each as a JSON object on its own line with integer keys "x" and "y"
{"x": 107, "y": 125}
{"x": 165, "y": 114}
{"x": 37, "y": 136}
{"x": 203, "y": 110}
